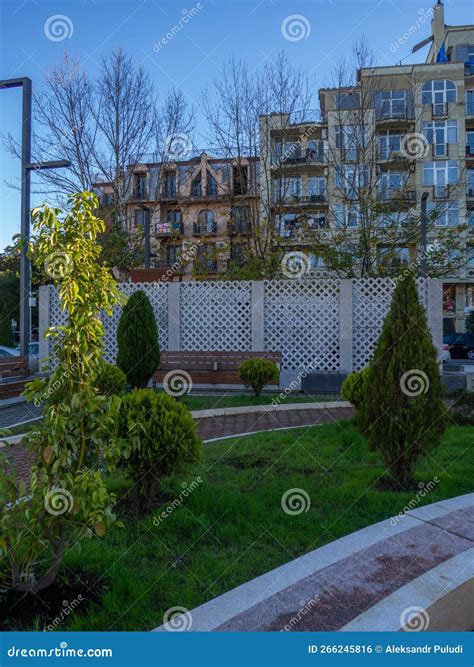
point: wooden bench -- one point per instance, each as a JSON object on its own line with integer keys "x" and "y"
{"x": 210, "y": 367}
{"x": 13, "y": 375}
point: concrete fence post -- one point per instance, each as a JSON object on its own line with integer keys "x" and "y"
{"x": 258, "y": 322}
{"x": 346, "y": 363}
{"x": 174, "y": 315}
{"x": 44, "y": 319}
{"x": 434, "y": 310}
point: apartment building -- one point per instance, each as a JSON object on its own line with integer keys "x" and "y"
{"x": 402, "y": 133}
{"x": 199, "y": 211}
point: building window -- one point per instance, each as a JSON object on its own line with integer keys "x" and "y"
{"x": 470, "y": 182}
{"x": 206, "y": 255}
{"x": 470, "y": 298}
{"x": 351, "y": 138}
{"x": 170, "y": 184}
{"x": 444, "y": 215}
{"x": 291, "y": 151}
{"x": 140, "y": 217}
{"x": 470, "y": 142}
{"x": 440, "y": 133}
{"x": 315, "y": 149}
{"x": 393, "y": 181}
{"x": 389, "y": 144}
{"x": 206, "y": 221}
{"x": 439, "y": 93}
{"x": 237, "y": 253}
{"x": 393, "y": 257}
{"x": 470, "y": 257}
{"x": 173, "y": 255}
{"x": 347, "y": 216}
{"x": 240, "y": 216}
{"x": 469, "y": 102}
{"x": 393, "y": 104}
{"x": 352, "y": 178}
{"x": 285, "y": 189}
{"x": 350, "y": 100}
{"x": 440, "y": 174}
{"x": 211, "y": 186}
{"x": 196, "y": 190}
{"x": 240, "y": 180}
{"x": 316, "y": 186}
{"x": 316, "y": 220}
{"x": 139, "y": 186}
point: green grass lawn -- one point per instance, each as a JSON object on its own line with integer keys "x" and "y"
{"x": 232, "y": 527}
{"x": 238, "y": 400}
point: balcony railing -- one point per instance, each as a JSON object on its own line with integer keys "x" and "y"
{"x": 390, "y": 112}
{"x": 175, "y": 266}
{"x": 140, "y": 194}
{"x": 204, "y": 229}
{"x": 398, "y": 194}
{"x": 169, "y": 229}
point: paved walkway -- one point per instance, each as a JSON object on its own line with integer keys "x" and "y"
{"x": 218, "y": 427}
{"x": 394, "y": 572}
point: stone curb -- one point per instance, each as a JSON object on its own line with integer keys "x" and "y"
{"x": 214, "y": 613}
{"x": 251, "y": 409}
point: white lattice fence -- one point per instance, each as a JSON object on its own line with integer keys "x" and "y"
{"x": 216, "y": 315}
{"x": 156, "y": 292}
{"x": 318, "y": 324}
{"x": 371, "y": 299}
{"x": 301, "y": 319}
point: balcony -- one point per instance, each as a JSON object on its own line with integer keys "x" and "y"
{"x": 204, "y": 229}
{"x": 167, "y": 229}
{"x": 140, "y": 194}
{"x": 169, "y": 194}
{"x": 407, "y": 196}
{"x": 243, "y": 227}
{"x": 392, "y": 156}
{"x": 391, "y": 115}
{"x": 168, "y": 266}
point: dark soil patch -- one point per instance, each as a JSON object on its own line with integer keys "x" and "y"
{"x": 389, "y": 484}
{"x": 50, "y": 609}
{"x": 244, "y": 464}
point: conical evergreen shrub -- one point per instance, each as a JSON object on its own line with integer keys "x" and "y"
{"x": 402, "y": 412}
{"x": 137, "y": 338}
{"x": 6, "y": 334}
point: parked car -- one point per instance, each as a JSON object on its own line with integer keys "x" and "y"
{"x": 33, "y": 355}
{"x": 460, "y": 345}
{"x": 445, "y": 354}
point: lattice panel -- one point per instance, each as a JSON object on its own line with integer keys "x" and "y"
{"x": 302, "y": 321}
{"x": 216, "y": 315}
{"x": 156, "y": 292}
{"x": 371, "y": 301}
{"x": 158, "y": 295}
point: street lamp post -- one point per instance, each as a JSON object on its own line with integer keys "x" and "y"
{"x": 26, "y": 167}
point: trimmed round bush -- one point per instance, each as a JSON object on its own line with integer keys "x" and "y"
{"x": 353, "y": 387}
{"x": 257, "y": 372}
{"x": 157, "y": 437}
{"x": 137, "y": 338}
{"x": 110, "y": 380}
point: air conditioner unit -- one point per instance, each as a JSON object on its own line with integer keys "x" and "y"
{"x": 470, "y": 273}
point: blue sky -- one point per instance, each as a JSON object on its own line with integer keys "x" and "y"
{"x": 250, "y": 29}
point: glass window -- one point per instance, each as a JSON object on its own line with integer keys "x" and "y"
{"x": 211, "y": 185}
{"x": 393, "y": 103}
{"x": 441, "y": 133}
{"x": 316, "y": 261}
{"x": 470, "y": 256}
{"x": 445, "y": 215}
{"x": 170, "y": 184}
{"x": 316, "y": 185}
{"x": 389, "y": 143}
{"x": 438, "y": 93}
{"x": 440, "y": 173}
{"x": 347, "y": 101}
{"x": 469, "y": 102}
{"x": 196, "y": 190}
{"x": 470, "y": 182}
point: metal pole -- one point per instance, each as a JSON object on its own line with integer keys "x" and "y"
{"x": 25, "y": 269}
{"x": 423, "y": 233}
{"x": 146, "y": 212}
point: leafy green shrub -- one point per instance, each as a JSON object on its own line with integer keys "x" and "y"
{"x": 402, "y": 412}
{"x": 156, "y": 436}
{"x": 353, "y": 387}
{"x": 257, "y": 372}
{"x": 137, "y": 337}
{"x": 67, "y": 497}
{"x": 110, "y": 380}
{"x": 462, "y": 406}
